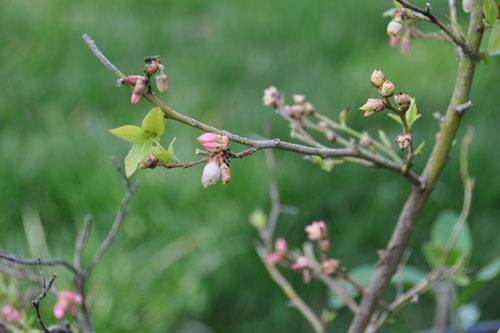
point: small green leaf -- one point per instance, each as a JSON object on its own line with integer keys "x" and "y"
{"x": 494, "y": 41}
{"x": 384, "y": 138}
{"x": 137, "y": 154}
{"x": 441, "y": 232}
{"x": 395, "y": 117}
{"x": 420, "y": 148}
{"x": 490, "y": 271}
{"x": 154, "y": 122}
{"x": 412, "y": 113}
{"x": 343, "y": 116}
{"x": 166, "y": 157}
{"x": 130, "y": 133}
{"x": 258, "y": 219}
{"x": 490, "y": 10}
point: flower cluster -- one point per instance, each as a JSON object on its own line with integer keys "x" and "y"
{"x": 309, "y": 267}
{"x": 141, "y": 82}
{"x": 399, "y": 30}
{"x": 217, "y": 167}
{"x": 273, "y": 97}
{"x": 66, "y": 301}
{"x": 10, "y": 314}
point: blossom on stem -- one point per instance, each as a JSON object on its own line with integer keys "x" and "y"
{"x": 66, "y": 300}
{"x": 377, "y": 78}
{"x": 302, "y": 264}
{"x": 272, "y": 97}
{"x": 372, "y": 105}
{"x": 161, "y": 81}
{"x": 330, "y": 266}
{"x": 138, "y": 90}
{"x": 211, "y": 174}
{"x": 211, "y": 141}
{"x": 403, "y": 101}
{"x": 316, "y": 230}
{"x": 403, "y": 141}
{"x": 387, "y": 89}
{"x": 280, "y": 251}
{"x": 9, "y": 313}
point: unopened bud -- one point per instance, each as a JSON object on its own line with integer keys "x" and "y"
{"x": 211, "y": 174}
{"x": 403, "y": 141}
{"x": 272, "y": 97}
{"x": 403, "y": 101}
{"x": 387, "y": 89}
{"x": 299, "y": 99}
{"x": 377, "y": 78}
{"x": 372, "y": 105}
{"x": 161, "y": 82}
{"x": 330, "y": 266}
{"x": 149, "y": 162}
{"x": 395, "y": 27}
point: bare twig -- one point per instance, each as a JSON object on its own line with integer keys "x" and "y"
{"x": 45, "y": 289}
{"x": 119, "y": 217}
{"x": 45, "y": 262}
{"x": 287, "y": 288}
{"x": 81, "y": 241}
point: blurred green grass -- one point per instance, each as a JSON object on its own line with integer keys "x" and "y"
{"x": 184, "y": 260}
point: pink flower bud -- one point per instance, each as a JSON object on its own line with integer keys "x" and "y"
{"x": 10, "y": 314}
{"x": 372, "y": 105}
{"x": 387, "y": 89}
{"x": 330, "y": 266}
{"x": 300, "y": 263}
{"x": 403, "y": 101}
{"x": 209, "y": 137}
{"x": 377, "y": 78}
{"x": 161, "y": 82}
{"x": 132, "y": 79}
{"x": 211, "y": 174}
{"x": 316, "y": 230}
{"x": 65, "y": 303}
{"x": 403, "y": 141}
{"x": 280, "y": 251}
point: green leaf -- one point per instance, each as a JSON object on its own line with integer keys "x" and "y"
{"x": 384, "y": 139}
{"x": 130, "y": 133}
{"x": 137, "y": 154}
{"x": 166, "y": 157}
{"x": 420, "y": 148}
{"x": 494, "y": 41}
{"x": 490, "y": 10}
{"x": 154, "y": 123}
{"x": 412, "y": 113}
{"x": 490, "y": 271}
{"x": 441, "y": 232}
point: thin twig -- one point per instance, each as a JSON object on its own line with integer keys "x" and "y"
{"x": 287, "y": 288}
{"x": 28, "y": 261}
{"x": 119, "y": 217}
{"x": 81, "y": 241}
{"x": 45, "y": 289}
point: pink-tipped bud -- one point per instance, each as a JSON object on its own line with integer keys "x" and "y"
{"x": 403, "y": 101}
{"x": 211, "y": 174}
{"x": 132, "y": 79}
{"x": 316, "y": 230}
{"x": 225, "y": 174}
{"x": 138, "y": 90}
{"x": 387, "y": 89}
{"x": 280, "y": 251}
{"x": 403, "y": 141}
{"x": 152, "y": 68}
{"x": 300, "y": 263}
{"x": 214, "y": 141}
{"x": 330, "y": 266}
{"x": 161, "y": 82}
{"x": 135, "y": 98}
{"x": 10, "y": 314}
{"x": 377, "y": 78}
{"x": 372, "y": 105}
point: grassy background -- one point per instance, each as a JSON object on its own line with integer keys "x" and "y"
{"x": 185, "y": 260}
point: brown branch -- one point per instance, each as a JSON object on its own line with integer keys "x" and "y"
{"x": 427, "y": 13}
{"x": 323, "y": 152}
{"x": 408, "y": 217}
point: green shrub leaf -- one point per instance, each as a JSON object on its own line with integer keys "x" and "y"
{"x": 130, "y": 133}
{"x": 154, "y": 123}
{"x": 137, "y": 154}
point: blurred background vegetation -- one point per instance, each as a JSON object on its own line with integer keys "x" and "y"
{"x": 185, "y": 260}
